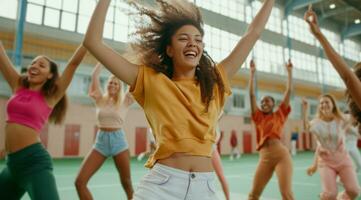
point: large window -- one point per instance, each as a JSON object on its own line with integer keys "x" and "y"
{"x": 275, "y": 20}
{"x": 74, "y": 15}
{"x": 8, "y": 8}
{"x": 333, "y": 38}
{"x": 219, "y": 43}
{"x": 230, "y": 8}
{"x": 305, "y": 67}
{"x": 352, "y": 50}
{"x": 328, "y": 74}
{"x": 238, "y": 100}
{"x": 268, "y": 57}
{"x": 299, "y": 30}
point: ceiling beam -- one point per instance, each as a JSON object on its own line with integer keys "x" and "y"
{"x": 335, "y": 12}
{"x": 293, "y": 5}
{"x": 350, "y": 31}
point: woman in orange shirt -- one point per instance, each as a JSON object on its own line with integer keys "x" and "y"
{"x": 274, "y": 156}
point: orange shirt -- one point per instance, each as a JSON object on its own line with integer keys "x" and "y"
{"x": 270, "y": 125}
{"x": 176, "y": 114}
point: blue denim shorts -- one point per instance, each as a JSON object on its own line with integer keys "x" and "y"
{"x": 110, "y": 143}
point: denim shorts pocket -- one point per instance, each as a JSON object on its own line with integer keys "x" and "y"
{"x": 156, "y": 177}
{"x": 211, "y": 186}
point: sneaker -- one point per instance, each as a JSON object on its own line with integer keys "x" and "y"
{"x": 140, "y": 156}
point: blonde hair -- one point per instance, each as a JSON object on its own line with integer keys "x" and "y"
{"x": 119, "y": 96}
{"x": 336, "y": 110}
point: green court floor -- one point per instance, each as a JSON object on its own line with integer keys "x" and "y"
{"x": 105, "y": 184}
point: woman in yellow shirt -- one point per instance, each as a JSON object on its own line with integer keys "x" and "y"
{"x": 180, "y": 88}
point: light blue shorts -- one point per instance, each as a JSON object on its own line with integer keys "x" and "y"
{"x": 110, "y": 143}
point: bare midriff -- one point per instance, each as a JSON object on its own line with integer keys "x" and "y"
{"x": 109, "y": 129}
{"x": 18, "y": 136}
{"x": 189, "y": 163}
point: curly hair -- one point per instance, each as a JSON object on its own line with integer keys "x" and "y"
{"x": 354, "y": 109}
{"x": 155, "y": 27}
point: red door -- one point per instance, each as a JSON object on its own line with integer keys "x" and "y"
{"x": 140, "y": 140}
{"x": 359, "y": 143}
{"x": 72, "y": 136}
{"x": 247, "y": 142}
{"x": 44, "y": 136}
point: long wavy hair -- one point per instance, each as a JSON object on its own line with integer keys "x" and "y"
{"x": 155, "y": 28}
{"x": 354, "y": 109}
{"x": 49, "y": 88}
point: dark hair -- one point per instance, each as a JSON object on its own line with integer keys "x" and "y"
{"x": 354, "y": 109}
{"x": 270, "y": 97}
{"x": 155, "y": 35}
{"x": 49, "y": 88}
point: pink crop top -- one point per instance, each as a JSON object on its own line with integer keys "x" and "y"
{"x": 28, "y": 108}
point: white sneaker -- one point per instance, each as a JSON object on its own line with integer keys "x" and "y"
{"x": 140, "y": 156}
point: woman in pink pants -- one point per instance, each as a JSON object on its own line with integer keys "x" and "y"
{"x": 331, "y": 157}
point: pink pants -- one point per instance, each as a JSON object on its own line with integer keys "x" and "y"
{"x": 348, "y": 177}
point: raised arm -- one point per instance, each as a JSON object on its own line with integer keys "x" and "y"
{"x": 235, "y": 59}
{"x": 67, "y": 75}
{"x": 93, "y": 41}
{"x": 8, "y": 70}
{"x": 286, "y": 99}
{"x": 128, "y": 99}
{"x": 305, "y": 121}
{"x": 252, "y": 96}
{"x": 313, "y": 168}
{"x": 350, "y": 79}
{"x": 95, "y": 90}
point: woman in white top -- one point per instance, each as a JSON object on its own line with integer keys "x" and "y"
{"x": 110, "y": 140}
{"x": 352, "y": 136}
{"x": 331, "y": 157}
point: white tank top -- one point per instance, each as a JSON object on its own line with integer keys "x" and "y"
{"x": 111, "y": 116}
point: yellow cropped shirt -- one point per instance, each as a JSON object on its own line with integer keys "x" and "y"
{"x": 176, "y": 114}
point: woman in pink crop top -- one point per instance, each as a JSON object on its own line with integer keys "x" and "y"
{"x": 110, "y": 140}
{"x": 169, "y": 46}
{"x": 331, "y": 156}
{"x": 38, "y": 95}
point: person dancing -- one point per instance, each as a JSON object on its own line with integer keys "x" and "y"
{"x": 331, "y": 157}
{"x": 181, "y": 90}
{"x": 110, "y": 141}
{"x": 351, "y": 79}
{"x": 37, "y": 96}
{"x": 274, "y": 156}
